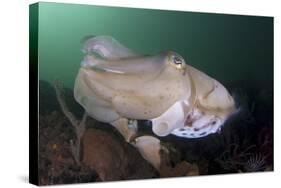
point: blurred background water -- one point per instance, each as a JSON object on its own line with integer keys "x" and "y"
{"x": 230, "y": 48}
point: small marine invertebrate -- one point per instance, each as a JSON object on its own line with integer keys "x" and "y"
{"x": 255, "y": 163}
{"x": 116, "y": 84}
{"x": 234, "y": 157}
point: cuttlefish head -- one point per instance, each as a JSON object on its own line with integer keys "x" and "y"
{"x": 204, "y": 112}
{"x": 212, "y": 106}
{"x": 200, "y": 122}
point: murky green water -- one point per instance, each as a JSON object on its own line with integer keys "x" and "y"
{"x": 227, "y": 47}
{"x": 235, "y": 50}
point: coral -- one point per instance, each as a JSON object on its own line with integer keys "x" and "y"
{"x": 265, "y": 143}
{"x": 240, "y": 156}
{"x": 56, "y": 164}
{"x": 233, "y": 158}
{"x": 79, "y": 126}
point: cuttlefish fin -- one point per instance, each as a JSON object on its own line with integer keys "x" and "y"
{"x": 107, "y": 47}
{"x": 143, "y": 66}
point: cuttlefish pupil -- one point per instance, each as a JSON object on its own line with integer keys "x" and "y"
{"x": 176, "y": 60}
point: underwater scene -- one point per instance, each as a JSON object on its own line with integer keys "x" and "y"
{"x": 128, "y": 93}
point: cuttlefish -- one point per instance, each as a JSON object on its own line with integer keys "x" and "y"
{"x": 119, "y": 86}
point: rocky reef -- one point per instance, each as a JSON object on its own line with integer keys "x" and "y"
{"x": 245, "y": 144}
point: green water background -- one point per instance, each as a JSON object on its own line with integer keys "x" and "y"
{"x": 229, "y": 48}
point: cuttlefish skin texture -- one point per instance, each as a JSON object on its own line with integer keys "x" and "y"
{"x": 115, "y": 82}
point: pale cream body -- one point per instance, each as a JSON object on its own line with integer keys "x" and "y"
{"x": 116, "y": 85}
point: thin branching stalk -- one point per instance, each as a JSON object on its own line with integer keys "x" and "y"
{"x": 79, "y": 126}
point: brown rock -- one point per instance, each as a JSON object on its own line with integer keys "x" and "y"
{"x": 182, "y": 169}
{"x": 113, "y": 158}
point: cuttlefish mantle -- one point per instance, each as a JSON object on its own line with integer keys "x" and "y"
{"x": 115, "y": 85}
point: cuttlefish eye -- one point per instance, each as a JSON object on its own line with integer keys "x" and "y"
{"x": 177, "y": 61}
